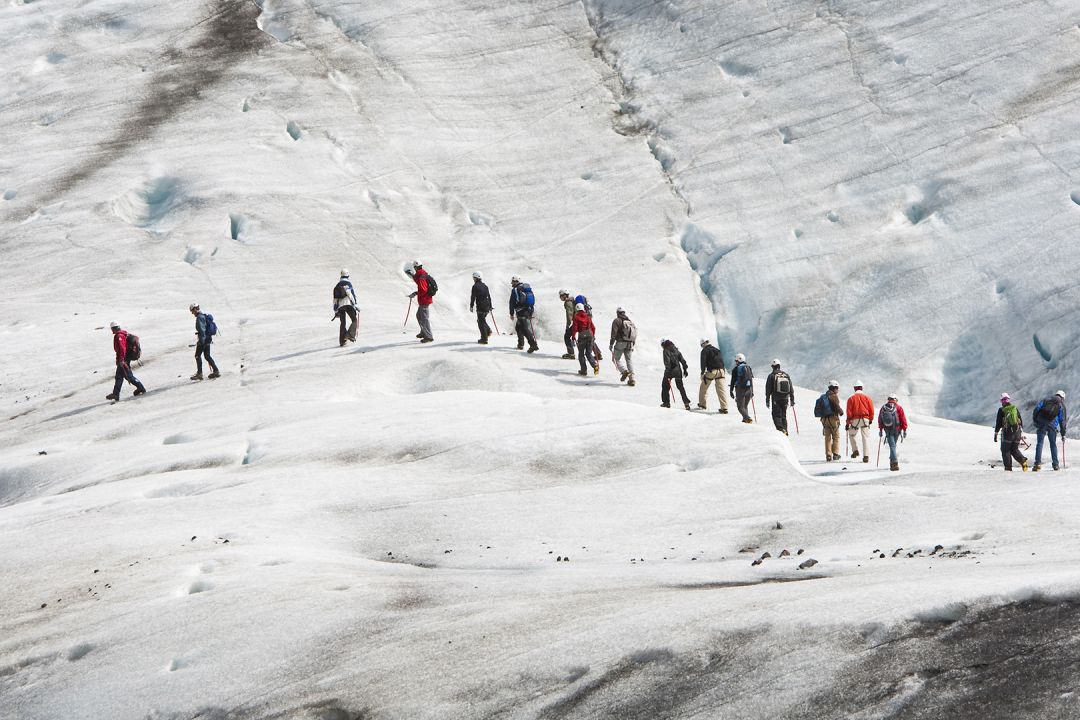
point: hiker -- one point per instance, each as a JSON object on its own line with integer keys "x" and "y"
{"x": 481, "y": 302}
{"x": 892, "y": 423}
{"x": 125, "y": 346}
{"x": 344, "y": 307}
{"x": 1011, "y": 427}
{"x": 522, "y": 302}
{"x": 584, "y": 331}
{"x": 780, "y": 391}
{"x": 742, "y": 386}
{"x": 1049, "y": 417}
{"x": 828, "y": 409}
{"x": 588, "y": 311}
{"x": 621, "y": 345}
{"x": 712, "y": 371}
{"x": 425, "y": 290}
{"x": 205, "y": 329}
{"x": 675, "y": 368}
{"x": 568, "y": 308}
{"x": 860, "y": 418}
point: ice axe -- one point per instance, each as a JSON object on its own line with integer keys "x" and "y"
{"x": 754, "y": 406}
{"x": 796, "y": 416}
{"x": 494, "y": 323}
{"x": 407, "y": 313}
{"x": 878, "y": 464}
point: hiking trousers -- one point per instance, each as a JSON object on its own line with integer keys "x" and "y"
{"x": 665, "y": 389}
{"x": 742, "y": 401}
{"x": 859, "y": 426}
{"x": 624, "y": 351}
{"x": 482, "y": 324}
{"x": 779, "y": 412}
{"x": 523, "y": 327}
{"x": 585, "y": 352}
{"x": 423, "y": 317}
{"x": 1043, "y": 432}
{"x": 123, "y": 372}
{"x": 830, "y": 428}
{"x": 1010, "y": 449}
{"x": 202, "y": 349}
{"x": 568, "y": 340}
{"x": 891, "y": 436}
{"x": 707, "y": 379}
{"x": 346, "y": 311}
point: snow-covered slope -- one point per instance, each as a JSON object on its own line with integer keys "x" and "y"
{"x": 392, "y": 530}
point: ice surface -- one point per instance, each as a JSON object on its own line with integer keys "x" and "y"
{"x": 393, "y": 530}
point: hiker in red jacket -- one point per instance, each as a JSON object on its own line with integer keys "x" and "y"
{"x": 123, "y": 366}
{"x": 892, "y": 423}
{"x": 584, "y": 331}
{"x": 423, "y": 295}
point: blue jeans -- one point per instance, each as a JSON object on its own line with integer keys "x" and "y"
{"x": 123, "y": 372}
{"x": 891, "y": 436}
{"x": 1042, "y": 433}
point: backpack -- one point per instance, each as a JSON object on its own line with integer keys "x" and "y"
{"x": 743, "y": 375}
{"x": 134, "y": 348}
{"x": 211, "y": 326}
{"x": 584, "y": 301}
{"x": 1048, "y": 413}
{"x": 782, "y": 383}
{"x": 432, "y": 286}
{"x": 1010, "y": 416}
{"x": 889, "y": 418}
{"x": 628, "y": 331}
{"x": 823, "y": 408}
{"x": 339, "y": 291}
{"x": 525, "y": 296}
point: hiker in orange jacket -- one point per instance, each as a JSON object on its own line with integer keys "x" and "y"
{"x": 860, "y": 418}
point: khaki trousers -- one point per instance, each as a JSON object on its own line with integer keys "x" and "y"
{"x": 709, "y": 377}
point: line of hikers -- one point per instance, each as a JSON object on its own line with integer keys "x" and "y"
{"x": 1049, "y": 415}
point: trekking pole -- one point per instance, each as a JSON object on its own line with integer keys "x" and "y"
{"x": 878, "y": 464}
{"x": 407, "y": 313}
{"x": 1063, "y": 451}
{"x": 754, "y": 406}
{"x": 796, "y": 416}
{"x": 495, "y": 323}
{"x": 845, "y": 442}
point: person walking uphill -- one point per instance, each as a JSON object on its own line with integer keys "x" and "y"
{"x": 426, "y": 287}
{"x": 780, "y": 391}
{"x": 568, "y": 308}
{"x": 827, "y": 408}
{"x": 892, "y": 422}
{"x": 621, "y": 345}
{"x": 712, "y": 371}
{"x": 205, "y": 329}
{"x": 345, "y": 307}
{"x": 126, "y": 347}
{"x": 675, "y": 368}
{"x": 860, "y": 418}
{"x": 1050, "y": 418}
{"x": 1011, "y": 427}
{"x": 742, "y": 386}
{"x": 480, "y": 301}
{"x": 522, "y": 302}
{"x": 584, "y": 331}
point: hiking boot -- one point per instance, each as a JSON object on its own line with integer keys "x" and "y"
{"x": 1008, "y": 469}
{"x": 419, "y": 335}
{"x": 625, "y": 374}
{"x": 854, "y": 454}
{"x": 828, "y": 458}
{"x": 139, "y": 391}
{"x": 214, "y": 375}
{"x": 866, "y": 458}
{"x": 596, "y": 371}
{"x": 630, "y": 382}
{"x": 894, "y": 466}
{"x": 686, "y": 405}
{"x": 1055, "y": 467}
{"x": 785, "y": 432}
{"x": 112, "y": 396}
{"x": 1037, "y": 468}
{"x": 748, "y": 421}
{"x": 533, "y": 349}
{"x": 1023, "y": 465}
{"x": 427, "y": 340}
{"x": 665, "y": 405}
{"x": 723, "y": 412}
{"x": 198, "y": 375}
{"x": 835, "y": 457}
{"x": 521, "y": 346}
{"x": 701, "y": 407}
{"x": 482, "y": 341}
{"x": 583, "y": 373}
{"x": 566, "y": 356}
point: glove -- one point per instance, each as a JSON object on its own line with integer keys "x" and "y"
{"x": 881, "y": 433}
{"x": 995, "y": 437}
{"x": 905, "y": 434}
{"x": 766, "y": 403}
{"x": 686, "y": 373}
{"x": 732, "y": 394}
{"x": 412, "y": 295}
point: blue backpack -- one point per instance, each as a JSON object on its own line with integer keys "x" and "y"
{"x": 743, "y": 375}
{"x": 211, "y": 326}
{"x": 823, "y": 408}
{"x": 526, "y": 295}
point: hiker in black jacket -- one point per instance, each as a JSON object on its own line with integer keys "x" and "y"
{"x": 742, "y": 387}
{"x": 481, "y": 303}
{"x": 780, "y": 392}
{"x": 1010, "y": 425}
{"x": 675, "y": 368}
{"x": 712, "y": 370}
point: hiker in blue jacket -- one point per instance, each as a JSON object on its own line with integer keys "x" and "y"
{"x": 1050, "y": 418}
{"x": 204, "y": 331}
{"x": 742, "y": 386}
{"x": 522, "y": 301}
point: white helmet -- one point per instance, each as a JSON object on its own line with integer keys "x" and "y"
{"x": 579, "y": 306}
{"x": 834, "y": 384}
{"x": 114, "y": 325}
{"x": 1005, "y": 396}
{"x": 620, "y": 310}
{"x": 193, "y": 307}
{"x": 477, "y": 276}
{"x": 775, "y": 362}
{"x": 563, "y": 292}
{"x": 417, "y": 264}
{"x": 858, "y": 385}
{"x": 705, "y": 341}
{"x": 515, "y": 279}
{"x": 892, "y": 398}
{"x": 1060, "y": 394}
{"x": 740, "y": 358}
{"x": 344, "y": 272}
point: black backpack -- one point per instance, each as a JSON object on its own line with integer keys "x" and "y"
{"x": 1049, "y": 411}
{"x": 432, "y": 286}
{"x": 339, "y": 291}
{"x": 134, "y": 348}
